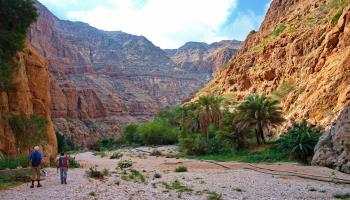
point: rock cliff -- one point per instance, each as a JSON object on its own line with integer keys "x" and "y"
{"x": 333, "y": 148}
{"x": 30, "y": 95}
{"x": 300, "y": 55}
{"x": 103, "y": 80}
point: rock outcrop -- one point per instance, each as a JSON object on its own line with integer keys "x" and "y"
{"x": 301, "y": 55}
{"x": 333, "y": 148}
{"x": 30, "y": 95}
{"x": 103, "y": 80}
{"x": 204, "y": 58}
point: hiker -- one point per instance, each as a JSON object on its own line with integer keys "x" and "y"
{"x": 35, "y": 158}
{"x": 63, "y": 165}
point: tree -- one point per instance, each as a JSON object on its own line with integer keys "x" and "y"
{"x": 259, "y": 112}
{"x": 16, "y": 17}
{"x": 209, "y": 112}
{"x": 29, "y": 130}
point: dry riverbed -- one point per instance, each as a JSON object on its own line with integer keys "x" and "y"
{"x": 203, "y": 180}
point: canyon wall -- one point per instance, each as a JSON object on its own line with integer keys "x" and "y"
{"x": 301, "y": 56}
{"x": 104, "y": 80}
{"x": 29, "y": 96}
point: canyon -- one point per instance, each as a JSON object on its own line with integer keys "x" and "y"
{"x": 104, "y": 80}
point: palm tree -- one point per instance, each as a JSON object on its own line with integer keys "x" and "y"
{"x": 209, "y": 112}
{"x": 259, "y": 112}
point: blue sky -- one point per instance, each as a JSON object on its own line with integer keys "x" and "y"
{"x": 167, "y": 23}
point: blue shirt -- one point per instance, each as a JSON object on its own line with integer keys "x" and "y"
{"x": 36, "y": 158}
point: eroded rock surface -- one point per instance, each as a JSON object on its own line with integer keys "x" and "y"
{"x": 333, "y": 148}
{"x": 30, "y": 95}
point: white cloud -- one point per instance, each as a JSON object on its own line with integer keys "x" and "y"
{"x": 168, "y": 23}
{"x": 246, "y": 22}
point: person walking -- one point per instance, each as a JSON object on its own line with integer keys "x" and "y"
{"x": 63, "y": 164}
{"x": 35, "y": 158}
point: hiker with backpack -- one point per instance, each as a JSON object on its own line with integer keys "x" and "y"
{"x": 63, "y": 165}
{"x": 35, "y": 158}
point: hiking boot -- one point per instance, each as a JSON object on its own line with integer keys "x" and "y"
{"x": 61, "y": 181}
{"x": 39, "y": 185}
{"x": 32, "y": 186}
{"x": 65, "y": 181}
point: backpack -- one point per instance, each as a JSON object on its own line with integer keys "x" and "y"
{"x": 62, "y": 161}
{"x": 35, "y": 159}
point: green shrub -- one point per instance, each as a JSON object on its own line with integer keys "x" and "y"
{"x": 158, "y": 132}
{"x": 284, "y": 89}
{"x": 13, "y": 163}
{"x": 16, "y": 17}
{"x": 336, "y": 18}
{"x": 181, "y": 169}
{"x": 123, "y": 164}
{"x": 29, "y": 130}
{"x": 13, "y": 180}
{"x": 278, "y": 30}
{"x": 116, "y": 155}
{"x": 193, "y": 144}
{"x": 64, "y": 143}
{"x": 102, "y": 154}
{"x": 108, "y": 144}
{"x": 73, "y": 163}
{"x": 130, "y": 135}
{"x": 155, "y": 153}
{"x": 300, "y": 141}
{"x": 93, "y": 172}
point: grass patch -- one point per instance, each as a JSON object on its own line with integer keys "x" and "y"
{"x": 278, "y": 30}
{"x": 342, "y": 196}
{"x": 92, "y": 194}
{"x": 238, "y": 190}
{"x": 270, "y": 155}
{"x": 214, "y": 196}
{"x": 116, "y": 155}
{"x": 336, "y": 18}
{"x": 312, "y": 190}
{"x": 13, "y": 163}
{"x": 102, "y": 154}
{"x": 97, "y": 174}
{"x": 7, "y": 182}
{"x": 284, "y": 89}
{"x": 181, "y": 169}
{"x": 135, "y": 176}
{"x": 176, "y": 185}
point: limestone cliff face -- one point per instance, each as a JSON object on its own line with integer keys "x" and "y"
{"x": 333, "y": 148}
{"x": 103, "y": 80}
{"x": 30, "y": 95}
{"x": 205, "y": 58}
{"x": 301, "y": 54}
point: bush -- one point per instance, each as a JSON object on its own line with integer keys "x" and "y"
{"x": 155, "y": 153}
{"x": 123, "y": 164}
{"x": 93, "y": 172}
{"x": 108, "y": 144}
{"x": 181, "y": 169}
{"x": 29, "y": 130}
{"x": 158, "y": 132}
{"x": 300, "y": 141}
{"x": 73, "y": 163}
{"x": 16, "y": 17}
{"x": 193, "y": 144}
{"x": 131, "y": 136}
{"x": 13, "y": 163}
{"x": 116, "y": 155}
{"x": 65, "y": 144}
{"x": 279, "y": 29}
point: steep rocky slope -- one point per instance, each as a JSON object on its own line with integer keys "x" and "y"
{"x": 29, "y": 96}
{"x": 204, "y": 58}
{"x": 333, "y": 149}
{"x": 300, "y": 55}
{"x": 103, "y": 80}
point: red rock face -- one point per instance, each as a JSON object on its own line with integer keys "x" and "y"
{"x": 30, "y": 96}
{"x": 102, "y": 81}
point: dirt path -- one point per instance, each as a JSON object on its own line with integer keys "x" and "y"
{"x": 201, "y": 180}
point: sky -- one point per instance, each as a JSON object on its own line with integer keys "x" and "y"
{"x": 167, "y": 23}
